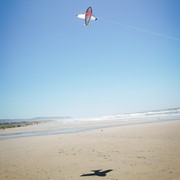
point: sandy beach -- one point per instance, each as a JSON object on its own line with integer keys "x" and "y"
{"x": 138, "y": 152}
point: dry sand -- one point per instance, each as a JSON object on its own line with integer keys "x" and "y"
{"x": 134, "y": 152}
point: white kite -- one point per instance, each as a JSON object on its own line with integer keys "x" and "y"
{"x": 87, "y": 16}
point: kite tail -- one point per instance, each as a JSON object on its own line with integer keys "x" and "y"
{"x": 141, "y": 29}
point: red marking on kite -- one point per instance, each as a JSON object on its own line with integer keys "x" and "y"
{"x": 88, "y": 13}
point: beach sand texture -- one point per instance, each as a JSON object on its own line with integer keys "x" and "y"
{"x": 134, "y": 152}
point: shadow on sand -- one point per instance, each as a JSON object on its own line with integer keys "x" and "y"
{"x": 98, "y": 173}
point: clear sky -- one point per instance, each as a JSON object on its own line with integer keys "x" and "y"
{"x": 51, "y": 65}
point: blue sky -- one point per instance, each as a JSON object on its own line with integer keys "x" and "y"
{"x": 51, "y": 65}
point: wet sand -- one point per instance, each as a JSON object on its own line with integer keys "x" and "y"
{"x": 138, "y": 152}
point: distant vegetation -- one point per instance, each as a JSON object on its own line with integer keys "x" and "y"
{"x": 16, "y": 124}
{"x": 13, "y": 123}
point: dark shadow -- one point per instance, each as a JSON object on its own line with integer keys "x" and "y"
{"x": 98, "y": 173}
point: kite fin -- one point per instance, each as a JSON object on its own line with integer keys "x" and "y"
{"x": 81, "y": 16}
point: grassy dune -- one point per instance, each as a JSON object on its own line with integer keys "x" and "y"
{"x": 17, "y": 124}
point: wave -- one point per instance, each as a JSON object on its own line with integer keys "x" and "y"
{"x": 157, "y": 114}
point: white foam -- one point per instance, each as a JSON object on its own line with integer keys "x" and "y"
{"x": 168, "y": 113}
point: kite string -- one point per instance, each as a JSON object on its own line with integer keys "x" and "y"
{"x": 141, "y": 29}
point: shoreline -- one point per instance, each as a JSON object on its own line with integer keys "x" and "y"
{"x": 35, "y": 130}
